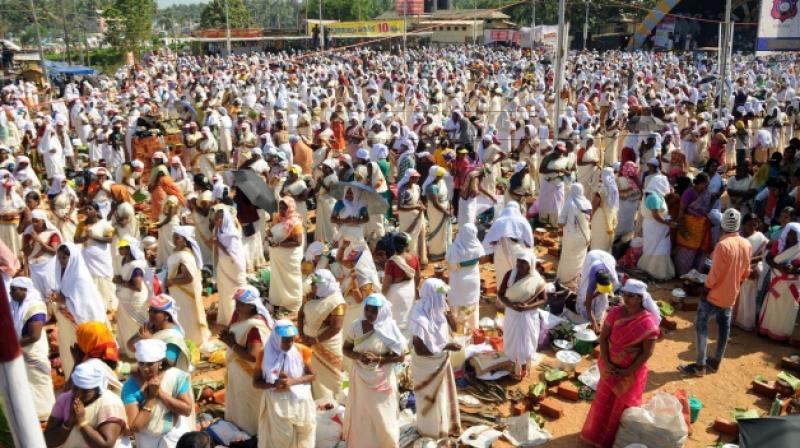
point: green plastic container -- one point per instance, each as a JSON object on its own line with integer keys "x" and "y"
{"x": 694, "y": 406}
{"x": 584, "y": 347}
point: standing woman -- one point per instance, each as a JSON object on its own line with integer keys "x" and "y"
{"x": 626, "y": 343}
{"x": 693, "y": 241}
{"x": 351, "y": 215}
{"x": 158, "y": 398}
{"x": 185, "y": 283}
{"x": 656, "y": 257}
{"x": 288, "y": 413}
{"x": 162, "y": 323}
{"x": 95, "y": 236}
{"x": 605, "y": 205}
{"x": 779, "y": 311}
{"x": 509, "y": 233}
{"x": 411, "y": 213}
{"x": 169, "y": 219}
{"x": 63, "y": 206}
{"x": 359, "y": 280}
{"x": 325, "y": 230}
{"x": 374, "y": 344}
{"x": 401, "y": 280}
{"x": 126, "y": 227}
{"x": 39, "y": 243}
{"x": 230, "y": 258}
{"x": 521, "y": 292}
{"x": 746, "y": 307}
{"x": 245, "y": 338}
{"x": 574, "y": 219}
{"x": 285, "y": 257}
{"x": 434, "y": 384}
{"x": 463, "y": 259}
{"x": 554, "y": 170}
{"x": 76, "y": 298}
{"x": 11, "y": 206}
{"x": 132, "y": 292}
{"x": 29, "y": 312}
{"x": 630, "y": 198}
{"x": 320, "y": 321}
{"x": 439, "y": 198}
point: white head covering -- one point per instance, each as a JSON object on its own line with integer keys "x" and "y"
{"x": 792, "y": 226}
{"x": 88, "y": 376}
{"x": 427, "y": 320}
{"x": 150, "y": 350}
{"x": 731, "y": 220}
{"x": 385, "y": 326}
{"x": 597, "y": 259}
{"x": 352, "y": 209}
{"x": 434, "y": 172}
{"x": 658, "y": 184}
{"x": 326, "y": 283}
{"x": 230, "y": 236}
{"x": 187, "y": 233}
{"x": 249, "y": 295}
{"x": 379, "y": 151}
{"x": 289, "y": 362}
{"x": 314, "y": 250}
{"x": 78, "y": 287}
{"x": 406, "y": 178}
{"x": 610, "y": 187}
{"x": 576, "y": 203}
{"x": 522, "y": 254}
{"x": 509, "y": 224}
{"x": 18, "y": 310}
{"x": 466, "y": 245}
{"x": 634, "y": 286}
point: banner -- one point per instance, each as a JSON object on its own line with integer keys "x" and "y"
{"x": 415, "y": 7}
{"x": 778, "y": 26}
{"x": 502, "y": 35}
{"x": 368, "y": 28}
{"x": 664, "y": 31}
{"x": 546, "y": 35}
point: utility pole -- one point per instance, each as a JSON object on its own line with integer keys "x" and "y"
{"x": 38, "y": 38}
{"x": 724, "y": 49}
{"x": 474, "y": 20}
{"x": 533, "y": 24}
{"x": 586, "y": 25}
{"x": 559, "y": 68}
{"x": 322, "y": 29}
{"x": 66, "y": 33}
{"x": 227, "y": 30}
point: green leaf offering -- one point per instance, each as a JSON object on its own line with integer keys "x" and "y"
{"x": 537, "y": 390}
{"x": 741, "y": 413}
{"x": 554, "y": 375}
{"x": 790, "y": 379}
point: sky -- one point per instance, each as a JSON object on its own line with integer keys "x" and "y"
{"x": 165, "y": 3}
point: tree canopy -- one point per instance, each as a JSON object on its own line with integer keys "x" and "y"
{"x": 214, "y": 15}
{"x": 130, "y": 23}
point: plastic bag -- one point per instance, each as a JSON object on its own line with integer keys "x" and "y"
{"x": 329, "y": 427}
{"x": 590, "y": 377}
{"x": 659, "y": 423}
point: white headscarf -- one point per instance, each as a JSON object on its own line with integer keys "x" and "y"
{"x": 249, "y": 295}
{"x": 352, "y": 209}
{"x": 597, "y": 258}
{"x": 326, "y": 283}
{"x": 427, "y": 320}
{"x": 187, "y": 233}
{"x": 55, "y": 184}
{"x": 509, "y": 224}
{"x": 230, "y": 236}
{"x": 576, "y": 203}
{"x": 150, "y": 350}
{"x": 314, "y": 250}
{"x": 638, "y": 287}
{"x": 42, "y": 215}
{"x": 289, "y": 362}
{"x": 78, "y": 287}
{"x": 610, "y": 187}
{"x": 386, "y": 327}
{"x": 658, "y": 184}
{"x": 524, "y": 254}
{"x": 18, "y": 310}
{"x": 88, "y": 376}
{"x": 466, "y": 246}
{"x": 406, "y": 178}
{"x": 433, "y": 173}
{"x": 792, "y": 226}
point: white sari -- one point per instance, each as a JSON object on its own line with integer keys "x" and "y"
{"x": 189, "y": 298}
{"x": 401, "y": 294}
{"x": 35, "y": 355}
{"x": 244, "y": 410}
{"x": 413, "y": 222}
{"x": 326, "y": 358}
{"x": 230, "y": 267}
{"x": 325, "y": 230}
{"x": 133, "y": 305}
{"x": 746, "y": 311}
{"x": 97, "y": 256}
{"x": 286, "y": 280}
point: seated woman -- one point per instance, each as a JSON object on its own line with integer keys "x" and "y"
{"x": 597, "y": 283}
{"x": 158, "y": 398}
{"x": 88, "y": 414}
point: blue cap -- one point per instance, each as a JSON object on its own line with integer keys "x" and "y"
{"x": 286, "y": 331}
{"x": 375, "y": 300}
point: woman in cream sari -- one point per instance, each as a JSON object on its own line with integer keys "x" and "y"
{"x": 76, "y": 297}
{"x": 245, "y": 338}
{"x": 555, "y": 167}
{"x": 439, "y": 197}
{"x": 201, "y": 218}
{"x": 132, "y": 292}
{"x": 95, "y": 235}
{"x": 374, "y": 344}
{"x": 434, "y": 384}
{"x": 359, "y": 279}
{"x": 185, "y": 284}
{"x": 296, "y": 188}
{"x": 158, "y": 398}
{"x": 40, "y": 241}
{"x": 30, "y": 314}
{"x": 169, "y": 219}
{"x": 325, "y": 230}
{"x": 286, "y": 256}
{"x": 63, "y": 206}
{"x": 574, "y": 219}
{"x": 320, "y": 321}
{"x": 163, "y": 324}
{"x": 411, "y": 214}
{"x": 604, "y": 218}
{"x": 463, "y": 259}
{"x": 779, "y": 311}
{"x": 509, "y": 233}
{"x": 230, "y": 259}
{"x": 656, "y": 257}
{"x": 11, "y": 205}
{"x": 350, "y": 214}
{"x": 746, "y": 310}
{"x": 126, "y": 227}
{"x": 521, "y": 292}
{"x": 288, "y": 413}
{"x": 401, "y": 280}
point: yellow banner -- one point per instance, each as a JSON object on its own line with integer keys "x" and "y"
{"x": 367, "y": 28}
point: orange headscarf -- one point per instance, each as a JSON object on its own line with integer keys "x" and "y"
{"x": 96, "y": 341}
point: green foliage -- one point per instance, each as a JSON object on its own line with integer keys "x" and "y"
{"x": 130, "y": 23}
{"x": 348, "y": 9}
{"x": 214, "y": 15}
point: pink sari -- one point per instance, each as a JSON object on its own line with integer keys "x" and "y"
{"x": 617, "y": 393}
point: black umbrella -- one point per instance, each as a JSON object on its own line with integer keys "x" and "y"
{"x": 647, "y": 123}
{"x": 373, "y": 200}
{"x": 256, "y": 189}
{"x": 773, "y": 432}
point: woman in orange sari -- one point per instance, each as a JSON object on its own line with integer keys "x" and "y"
{"x": 338, "y": 127}
{"x": 163, "y": 186}
{"x": 693, "y": 241}
{"x": 626, "y": 343}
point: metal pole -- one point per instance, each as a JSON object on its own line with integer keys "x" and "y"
{"x": 321, "y": 29}
{"x": 227, "y": 30}
{"x": 474, "y": 18}
{"x": 559, "y": 69}
{"x": 66, "y": 33}
{"x": 585, "y": 26}
{"x": 725, "y": 39}
{"x": 38, "y": 38}
{"x": 533, "y": 24}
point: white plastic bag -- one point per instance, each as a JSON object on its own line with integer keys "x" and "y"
{"x": 657, "y": 424}
{"x": 590, "y": 377}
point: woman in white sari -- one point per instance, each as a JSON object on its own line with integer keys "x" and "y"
{"x": 132, "y": 292}
{"x": 320, "y": 321}
{"x": 288, "y": 415}
{"x": 463, "y": 259}
{"x": 439, "y": 195}
{"x": 656, "y": 257}
{"x": 401, "y": 278}
{"x": 350, "y": 214}
{"x": 11, "y": 205}
{"x": 630, "y": 199}
{"x": 574, "y": 219}
{"x": 95, "y": 235}
{"x": 325, "y": 230}
{"x": 521, "y": 292}
{"x": 201, "y": 218}
{"x": 158, "y": 398}
{"x": 29, "y": 312}
{"x": 411, "y": 213}
{"x": 185, "y": 284}
{"x": 245, "y": 338}
{"x": 63, "y": 202}
{"x": 358, "y": 280}
{"x": 40, "y": 241}
{"x": 555, "y": 168}
{"x": 605, "y": 205}
{"x": 285, "y": 257}
{"x": 230, "y": 262}
{"x": 296, "y": 188}
{"x": 779, "y": 311}
{"x": 509, "y": 232}
{"x": 169, "y": 219}
{"x": 126, "y": 227}
{"x": 76, "y": 297}
{"x": 746, "y": 306}
{"x": 374, "y": 344}
{"x": 434, "y": 384}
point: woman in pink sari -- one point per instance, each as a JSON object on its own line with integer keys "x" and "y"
{"x": 626, "y": 343}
